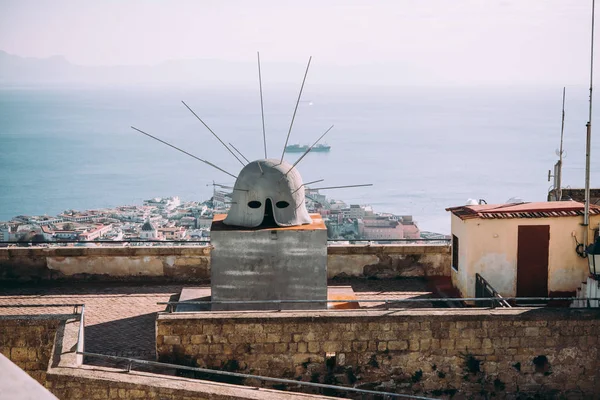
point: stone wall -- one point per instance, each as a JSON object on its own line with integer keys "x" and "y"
{"x": 192, "y": 264}
{"x": 27, "y": 341}
{"x": 472, "y": 351}
{"x": 176, "y": 263}
{"x": 44, "y": 346}
{"x": 388, "y": 261}
{"x": 109, "y": 383}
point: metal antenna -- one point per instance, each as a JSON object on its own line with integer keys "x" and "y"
{"x": 307, "y": 183}
{"x": 560, "y": 154}
{"x": 342, "y": 187}
{"x": 239, "y": 152}
{"x": 211, "y": 131}
{"x": 183, "y": 151}
{"x": 307, "y": 151}
{"x": 295, "y": 109}
{"x": 588, "y": 143}
{"x": 262, "y": 110}
{"x": 562, "y": 127}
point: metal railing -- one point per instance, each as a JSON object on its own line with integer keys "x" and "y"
{"x": 483, "y": 290}
{"x": 387, "y": 303}
{"x": 131, "y": 362}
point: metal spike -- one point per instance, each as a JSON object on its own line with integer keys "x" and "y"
{"x": 262, "y": 110}
{"x": 307, "y": 183}
{"x": 342, "y": 187}
{"x": 307, "y": 151}
{"x": 295, "y": 109}
{"x": 239, "y": 152}
{"x": 183, "y": 151}
{"x": 211, "y": 131}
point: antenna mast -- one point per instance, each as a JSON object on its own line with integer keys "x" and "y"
{"x": 262, "y": 110}
{"x": 588, "y": 142}
{"x": 558, "y": 189}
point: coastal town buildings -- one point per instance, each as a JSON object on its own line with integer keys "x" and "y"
{"x": 149, "y": 231}
{"x": 170, "y": 219}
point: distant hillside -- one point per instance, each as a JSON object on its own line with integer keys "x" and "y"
{"x": 15, "y": 70}
{"x": 56, "y": 69}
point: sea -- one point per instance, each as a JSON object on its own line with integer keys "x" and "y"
{"x": 423, "y": 149}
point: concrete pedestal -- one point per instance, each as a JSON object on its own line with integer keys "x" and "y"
{"x": 283, "y": 263}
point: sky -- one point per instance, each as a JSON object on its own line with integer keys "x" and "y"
{"x": 447, "y": 41}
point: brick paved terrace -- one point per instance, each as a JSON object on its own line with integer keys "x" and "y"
{"x": 120, "y": 318}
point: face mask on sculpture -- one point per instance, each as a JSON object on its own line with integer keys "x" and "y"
{"x": 264, "y": 195}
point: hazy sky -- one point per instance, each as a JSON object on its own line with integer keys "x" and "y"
{"x": 455, "y": 41}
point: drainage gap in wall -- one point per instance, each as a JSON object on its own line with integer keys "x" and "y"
{"x": 330, "y": 360}
{"x": 542, "y": 365}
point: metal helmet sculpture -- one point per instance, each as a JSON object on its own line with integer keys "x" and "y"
{"x": 268, "y": 193}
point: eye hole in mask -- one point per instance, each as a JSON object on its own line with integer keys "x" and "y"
{"x": 282, "y": 204}
{"x": 254, "y": 204}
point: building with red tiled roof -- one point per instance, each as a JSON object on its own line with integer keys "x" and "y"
{"x": 521, "y": 249}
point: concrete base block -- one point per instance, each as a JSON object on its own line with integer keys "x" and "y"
{"x": 269, "y": 264}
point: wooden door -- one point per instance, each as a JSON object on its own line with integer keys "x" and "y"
{"x": 532, "y": 260}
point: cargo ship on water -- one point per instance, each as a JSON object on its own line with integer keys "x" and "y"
{"x": 297, "y": 148}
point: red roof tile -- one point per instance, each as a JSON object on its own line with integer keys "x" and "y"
{"x": 523, "y": 210}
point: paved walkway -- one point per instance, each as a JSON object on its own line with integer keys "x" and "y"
{"x": 120, "y": 319}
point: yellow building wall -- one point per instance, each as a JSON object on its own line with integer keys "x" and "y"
{"x": 489, "y": 247}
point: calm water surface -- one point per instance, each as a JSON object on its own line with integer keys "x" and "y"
{"x": 423, "y": 149}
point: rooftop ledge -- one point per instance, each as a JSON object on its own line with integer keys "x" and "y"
{"x": 205, "y": 250}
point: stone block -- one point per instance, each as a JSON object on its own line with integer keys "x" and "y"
{"x": 314, "y": 347}
{"x": 171, "y": 340}
{"x": 137, "y": 394}
{"x": 273, "y": 338}
{"x": 359, "y": 346}
{"x": 425, "y": 344}
{"x": 447, "y": 344}
{"x": 198, "y": 339}
{"x": 273, "y": 328}
{"x": 394, "y": 345}
{"x": 19, "y": 354}
{"x": 332, "y": 347}
{"x": 302, "y": 347}
{"x": 532, "y": 331}
{"x": 280, "y": 348}
{"x": 215, "y": 349}
{"x": 413, "y": 345}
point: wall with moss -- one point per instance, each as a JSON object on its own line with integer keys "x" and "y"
{"x": 433, "y": 352}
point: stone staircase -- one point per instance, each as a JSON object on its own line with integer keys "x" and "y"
{"x": 589, "y": 289}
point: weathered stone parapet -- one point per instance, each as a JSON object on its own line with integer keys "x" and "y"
{"x": 192, "y": 263}
{"x": 175, "y": 263}
{"x": 434, "y": 352}
{"x": 388, "y": 261}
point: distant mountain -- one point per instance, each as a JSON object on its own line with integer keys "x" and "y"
{"x": 15, "y": 70}
{"x": 56, "y": 70}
